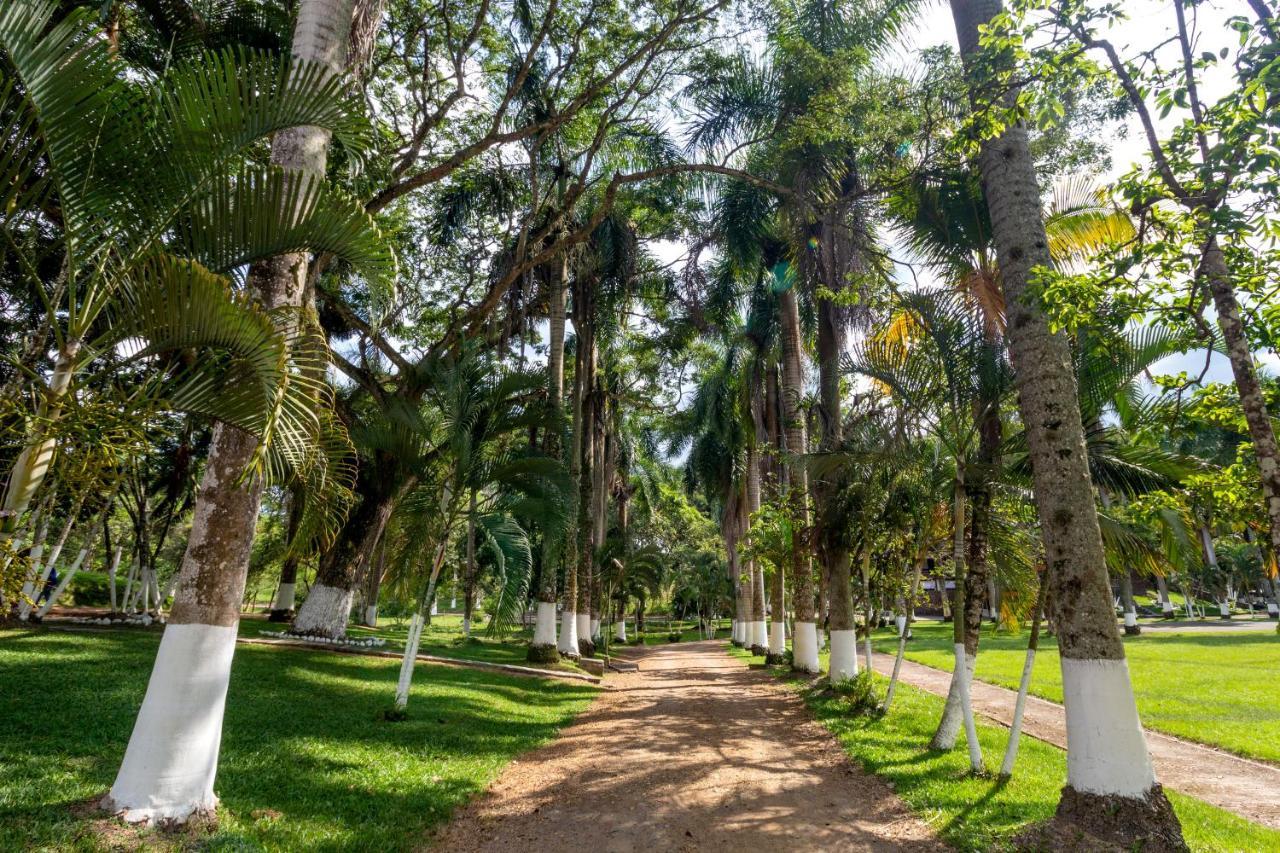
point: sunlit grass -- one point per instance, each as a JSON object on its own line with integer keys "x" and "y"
{"x": 1218, "y": 689}
{"x": 306, "y": 762}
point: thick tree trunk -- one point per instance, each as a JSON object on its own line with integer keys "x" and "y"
{"x": 169, "y": 766}
{"x": 327, "y": 607}
{"x": 1110, "y": 781}
{"x": 805, "y": 640}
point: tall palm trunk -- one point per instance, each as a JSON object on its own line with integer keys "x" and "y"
{"x": 544, "y": 631}
{"x": 757, "y": 638}
{"x": 834, "y": 548}
{"x": 805, "y": 641}
{"x": 286, "y": 593}
{"x": 586, "y": 502}
{"x": 171, "y": 761}
{"x": 777, "y": 588}
{"x": 470, "y": 571}
{"x": 1111, "y": 786}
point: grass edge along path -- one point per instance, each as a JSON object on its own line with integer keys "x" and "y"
{"x": 306, "y": 762}
{"x": 982, "y": 814}
{"x": 1214, "y": 689}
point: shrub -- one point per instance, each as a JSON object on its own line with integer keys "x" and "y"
{"x": 90, "y": 589}
{"x": 674, "y": 637}
{"x": 858, "y": 693}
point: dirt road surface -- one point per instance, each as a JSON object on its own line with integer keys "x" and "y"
{"x": 693, "y": 752}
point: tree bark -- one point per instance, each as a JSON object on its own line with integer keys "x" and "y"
{"x": 1109, "y": 775}
{"x": 544, "y": 632}
{"x": 171, "y": 761}
{"x": 805, "y": 641}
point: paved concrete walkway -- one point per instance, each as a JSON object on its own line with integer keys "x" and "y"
{"x": 1249, "y": 788}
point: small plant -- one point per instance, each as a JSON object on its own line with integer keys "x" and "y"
{"x": 783, "y": 659}
{"x": 674, "y": 637}
{"x": 858, "y": 693}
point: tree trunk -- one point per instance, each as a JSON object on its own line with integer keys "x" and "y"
{"x": 777, "y": 588}
{"x": 171, "y": 761}
{"x": 327, "y": 607}
{"x": 1024, "y": 685}
{"x": 1213, "y": 269}
{"x": 757, "y": 637}
{"x": 1111, "y": 786}
{"x": 544, "y": 632}
{"x": 1130, "y": 606}
{"x": 805, "y": 640}
{"x": 286, "y": 593}
{"x": 470, "y": 571}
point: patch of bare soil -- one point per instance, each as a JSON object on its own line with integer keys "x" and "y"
{"x": 109, "y": 832}
{"x": 693, "y": 752}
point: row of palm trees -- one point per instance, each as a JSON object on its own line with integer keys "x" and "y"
{"x": 187, "y": 224}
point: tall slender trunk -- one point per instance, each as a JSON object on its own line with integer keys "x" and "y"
{"x": 805, "y": 641}
{"x": 832, "y": 537}
{"x": 171, "y": 761}
{"x": 1024, "y": 685}
{"x": 777, "y": 588}
{"x": 1111, "y": 787}
{"x": 544, "y": 632}
{"x": 286, "y": 593}
{"x": 757, "y": 638}
{"x": 470, "y": 570}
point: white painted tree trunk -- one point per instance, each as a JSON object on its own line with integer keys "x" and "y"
{"x": 1015, "y": 731}
{"x": 111, "y": 575}
{"x": 544, "y": 624}
{"x": 759, "y": 634}
{"x": 953, "y": 711}
{"x": 804, "y": 656}
{"x": 966, "y": 705}
{"x": 569, "y": 634}
{"x": 777, "y": 637}
{"x": 286, "y": 596}
{"x": 169, "y": 766}
{"x": 326, "y": 606}
{"x": 584, "y": 626}
{"x": 620, "y": 631}
{"x": 371, "y": 616}
{"x": 407, "y": 662}
{"x": 595, "y": 630}
{"x": 62, "y": 584}
{"x": 126, "y": 602}
{"x": 844, "y": 655}
{"x": 1108, "y": 752}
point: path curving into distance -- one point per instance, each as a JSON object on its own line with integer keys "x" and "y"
{"x": 693, "y": 752}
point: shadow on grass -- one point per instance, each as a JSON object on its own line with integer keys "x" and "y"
{"x": 305, "y": 764}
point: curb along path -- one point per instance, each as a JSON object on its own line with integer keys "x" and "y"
{"x": 1248, "y": 788}
{"x": 692, "y": 752}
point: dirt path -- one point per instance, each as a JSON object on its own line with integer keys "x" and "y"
{"x": 1251, "y": 789}
{"x": 693, "y": 752}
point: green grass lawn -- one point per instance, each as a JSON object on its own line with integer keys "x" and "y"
{"x": 306, "y": 762}
{"x": 1218, "y": 689}
{"x": 974, "y": 813}
{"x": 442, "y": 638}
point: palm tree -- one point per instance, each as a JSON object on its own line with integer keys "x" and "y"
{"x": 1109, "y": 774}
{"x": 152, "y": 185}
